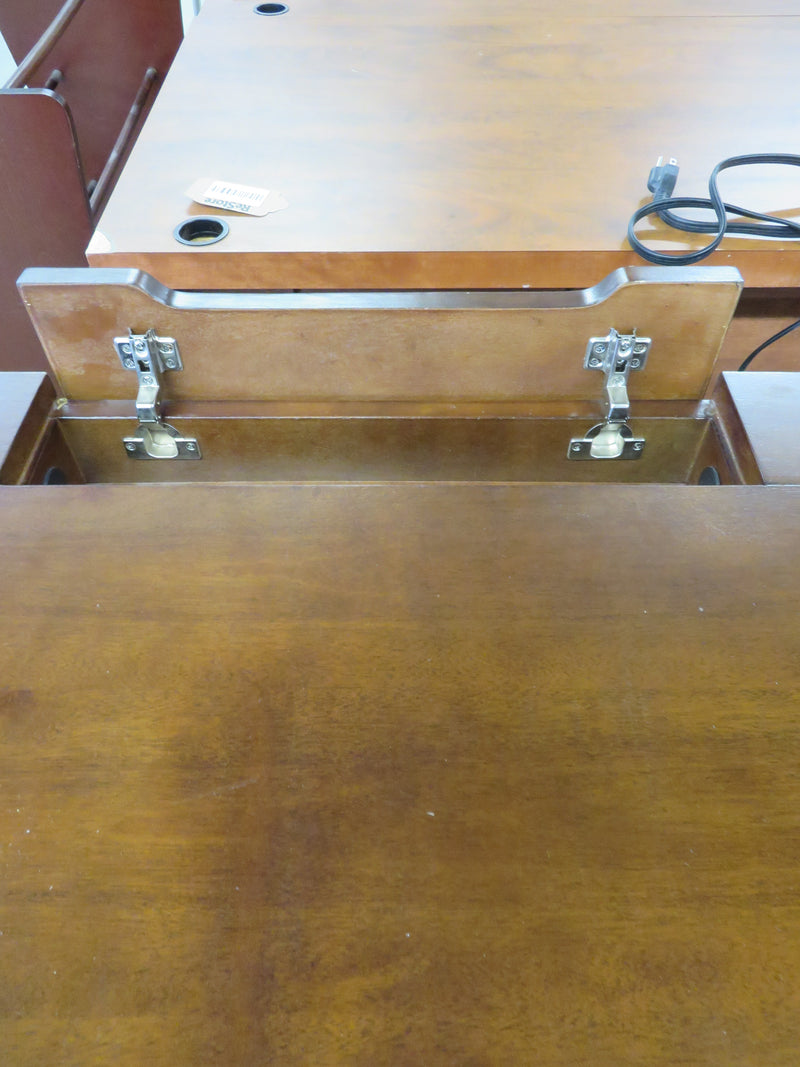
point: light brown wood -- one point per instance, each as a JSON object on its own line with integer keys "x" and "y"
{"x": 245, "y": 347}
{"x": 54, "y": 461}
{"x": 384, "y": 448}
{"x": 458, "y": 143}
{"x": 734, "y": 441}
{"x": 718, "y": 459}
{"x": 399, "y": 775}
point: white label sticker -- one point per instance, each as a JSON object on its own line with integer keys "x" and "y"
{"x": 230, "y": 196}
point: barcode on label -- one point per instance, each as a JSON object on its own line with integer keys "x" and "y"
{"x": 231, "y": 196}
{"x": 242, "y": 193}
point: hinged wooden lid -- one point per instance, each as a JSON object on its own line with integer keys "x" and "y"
{"x": 433, "y": 346}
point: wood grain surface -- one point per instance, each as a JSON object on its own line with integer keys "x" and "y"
{"x": 457, "y": 144}
{"x": 767, "y": 405}
{"x": 378, "y": 447}
{"x": 399, "y": 775}
{"x": 260, "y": 347}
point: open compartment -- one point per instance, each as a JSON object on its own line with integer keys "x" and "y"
{"x": 597, "y": 385}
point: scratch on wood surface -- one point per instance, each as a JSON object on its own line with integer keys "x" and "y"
{"x": 219, "y": 792}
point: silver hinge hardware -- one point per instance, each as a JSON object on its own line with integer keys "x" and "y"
{"x": 151, "y": 356}
{"x": 616, "y": 355}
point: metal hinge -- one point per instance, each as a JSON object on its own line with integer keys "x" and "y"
{"x": 616, "y": 355}
{"x": 151, "y": 356}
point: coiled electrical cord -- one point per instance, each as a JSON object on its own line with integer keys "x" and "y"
{"x": 661, "y": 183}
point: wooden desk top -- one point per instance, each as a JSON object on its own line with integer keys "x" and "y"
{"x": 765, "y": 402}
{"x": 404, "y": 775}
{"x": 457, "y": 143}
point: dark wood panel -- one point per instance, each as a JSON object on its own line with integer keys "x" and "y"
{"x": 44, "y": 213}
{"x": 760, "y": 315}
{"x": 22, "y": 23}
{"x": 51, "y": 146}
{"x": 376, "y": 448}
{"x": 54, "y": 463}
{"x": 399, "y": 775}
{"x": 103, "y": 55}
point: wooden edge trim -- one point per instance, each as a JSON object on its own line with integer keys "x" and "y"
{"x": 390, "y": 300}
{"x": 733, "y": 435}
{"x": 30, "y": 434}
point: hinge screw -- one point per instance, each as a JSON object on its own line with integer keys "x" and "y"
{"x": 624, "y": 345}
{"x": 595, "y": 362}
{"x": 126, "y": 350}
{"x": 139, "y": 346}
{"x": 576, "y": 446}
{"x": 640, "y": 349}
{"x": 131, "y": 447}
{"x": 129, "y": 364}
{"x": 191, "y": 446}
{"x": 148, "y": 379}
{"x": 635, "y": 364}
{"x": 637, "y": 446}
{"x": 169, "y": 362}
{"x": 599, "y": 349}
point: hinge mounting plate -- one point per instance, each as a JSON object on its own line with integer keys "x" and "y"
{"x": 151, "y": 356}
{"x": 615, "y": 355}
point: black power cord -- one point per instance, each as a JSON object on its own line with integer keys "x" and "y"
{"x": 661, "y": 183}
{"x": 775, "y": 337}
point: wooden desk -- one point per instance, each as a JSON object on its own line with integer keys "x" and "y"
{"x": 399, "y": 775}
{"x": 458, "y": 143}
{"x": 447, "y": 770}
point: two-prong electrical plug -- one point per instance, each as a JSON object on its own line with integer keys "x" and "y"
{"x": 663, "y": 178}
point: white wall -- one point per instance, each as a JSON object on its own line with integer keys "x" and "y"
{"x": 187, "y": 10}
{"x": 7, "y": 64}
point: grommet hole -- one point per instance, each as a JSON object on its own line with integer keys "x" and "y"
{"x": 709, "y": 476}
{"x": 271, "y": 9}
{"x": 201, "y": 230}
{"x": 54, "y": 476}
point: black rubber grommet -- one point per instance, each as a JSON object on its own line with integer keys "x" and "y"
{"x": 201, "y": 230}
